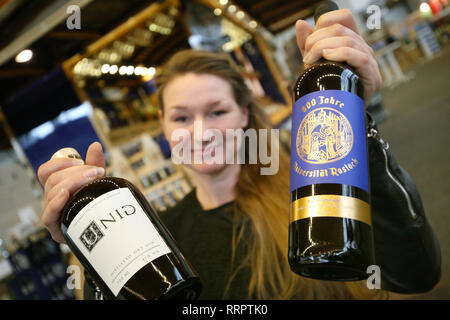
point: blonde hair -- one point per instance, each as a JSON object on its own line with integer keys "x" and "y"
{"x": 262, "y": 200}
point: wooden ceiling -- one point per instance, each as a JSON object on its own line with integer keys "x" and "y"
{"x": 277, "y": 15}
{"x": 98, "y": 18}
{"x": 101, "y": 16}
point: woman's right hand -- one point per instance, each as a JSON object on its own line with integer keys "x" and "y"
{"x": 63, "y": 176}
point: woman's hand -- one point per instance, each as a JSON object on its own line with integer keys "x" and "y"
{"x": 336, "y": 38}
{"x": 63, "y": 176}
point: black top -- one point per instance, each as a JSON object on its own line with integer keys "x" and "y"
{"x": 204, "y": 237}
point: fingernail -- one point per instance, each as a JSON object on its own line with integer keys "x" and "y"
{"x": 101, "y": 171}
{"x": 327, "y": 51}
{"x": 62, "y": 192}
{"x": 95, "y": 172}
{"x": 307, "y": 58}
{"x": 77, "y": 162}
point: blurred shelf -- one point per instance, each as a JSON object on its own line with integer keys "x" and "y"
{"x": 122, "y": 135}
{"x": 169, "y": 179}
{"x": 136, "y": 156}
{"x": 280, "y": 115}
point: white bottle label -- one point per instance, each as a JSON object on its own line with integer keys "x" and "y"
{"x": 116, "y": 237}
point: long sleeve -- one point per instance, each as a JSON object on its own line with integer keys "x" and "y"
{"x": 406, "y": 248}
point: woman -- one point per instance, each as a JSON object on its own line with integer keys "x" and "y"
{"x": 233, "y": 227}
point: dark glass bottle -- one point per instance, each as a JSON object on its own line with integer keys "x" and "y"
{"x": 330, "y": 233}
{"x": 120, "y": 240}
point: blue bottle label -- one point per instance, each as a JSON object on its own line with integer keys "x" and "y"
{"x": 328, "y": 143}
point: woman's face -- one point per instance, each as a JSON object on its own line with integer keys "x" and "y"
{"x": 205, "y": 102}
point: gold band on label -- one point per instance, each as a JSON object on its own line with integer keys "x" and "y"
{"x": 331, "y": 206}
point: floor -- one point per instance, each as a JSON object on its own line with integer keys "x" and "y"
{"x": 417, "y": 128}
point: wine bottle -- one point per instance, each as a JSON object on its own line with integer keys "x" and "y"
{"x": 122, "y": 243}
{"x": 330, "y": 233}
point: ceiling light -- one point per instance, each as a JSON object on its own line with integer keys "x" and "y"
{"x": 105, "y": 68}
{"x": 253, "y": 24}
{"x": 138, "y": 71}
{"x": 113, "y": 69}
{"x": 151, "y": 72}
{"x": 424, "y": 7}
{"x": 24, "y": 56}
{"x": 130, "y": 70}
{"x": 122, "y": 70}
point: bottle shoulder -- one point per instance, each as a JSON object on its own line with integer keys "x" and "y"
{"x": 327, "y": 75}
{"x": 90, "y": 192}
{"x": 325, "y": 66}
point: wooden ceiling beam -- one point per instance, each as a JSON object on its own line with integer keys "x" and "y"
{"x": 19, "y": 21}
{"x": 283, "y": 10}
{"x": 3, "y": 3}
{"x": 180, "y": 27}
{"x": 260, "y": 6}
{"x": 153, "y": 46}
{"x": 42, "y": 20}
{"x": 119, "y": 32}
{"x": 175, "y": 42}
{"x": 290, "y": 20}
{"x": 74, "y": 35}
{"x": 17, "y": 73}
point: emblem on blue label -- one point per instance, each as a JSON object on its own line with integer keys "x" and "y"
{"x": 324, "y": 135}
{"x": 329, "y": 140}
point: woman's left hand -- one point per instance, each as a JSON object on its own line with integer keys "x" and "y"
{"x": 336, "y": 38}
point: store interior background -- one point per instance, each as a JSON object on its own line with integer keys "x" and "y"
{"x": 96, "y": 82}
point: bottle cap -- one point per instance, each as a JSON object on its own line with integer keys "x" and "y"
{"x": 324, "y": 7}
{"x": 67, "y": 153}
